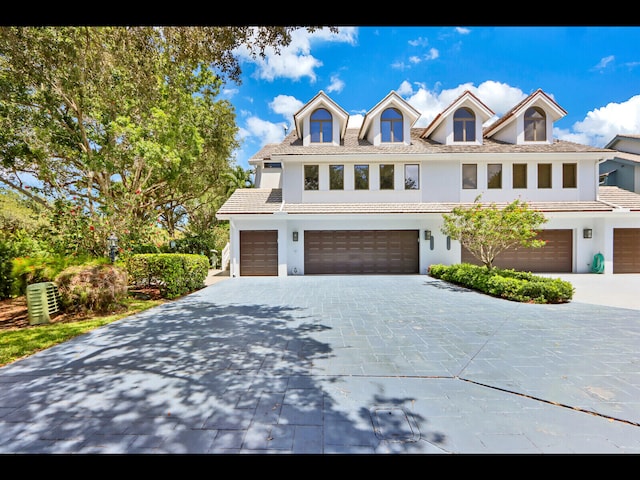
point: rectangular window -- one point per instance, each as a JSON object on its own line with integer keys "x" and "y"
{"x": 336, "y": 177}
{"x": 494, "y": 175}
{"x": 361, "y": 177}
{"x": 386, "y": 177}
{"x": 544, "y": 175}
{"x": 311, "y": 177}
{"x": 519, "y": 175}
{"x": 569, "y": 175}
{"x": 469, "y": 176}
{"x": 411, "y": 177}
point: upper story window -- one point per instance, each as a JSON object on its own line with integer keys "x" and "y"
{"x": 464, "y": 125}
{"x": 391, "y": 126}
{"x": 361, "y": 177}
{"x": 336, "y": 177}
{"x": 387, "y": 177}
{"x": 469, "y": 176}
{"x": 494, "y": 175}
{"x": 411, "y": 177}
{"x": 321, "y": 126}
{"x": 544, "y": 175}
{"x": 519, "y": 175}
{"x": 569, "y": 175}
{"x": 535, "y": 125}
{"x": 311, "y": 177}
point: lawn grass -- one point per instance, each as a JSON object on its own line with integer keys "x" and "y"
{"x": 22, "y": 342}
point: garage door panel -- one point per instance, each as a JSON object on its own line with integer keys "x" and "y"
{"x": 555, "y": 257}
{"x": 258, "y": 253}
{"x": 361, "y": 251}
{"x": 626, "y": 250}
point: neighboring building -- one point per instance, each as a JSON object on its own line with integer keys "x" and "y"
{"x": 336, "y": 200}
{"x": 623, "y": 169}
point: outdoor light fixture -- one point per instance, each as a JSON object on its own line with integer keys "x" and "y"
{"x": 427, "y": 234}
{"x": 587, "y": 233}
{"x": 448, "y": 243}
{"x": 112, "y": 242}
{"x": 295, "y": 236}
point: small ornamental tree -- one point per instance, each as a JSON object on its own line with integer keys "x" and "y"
{"x": 486, "y": 230}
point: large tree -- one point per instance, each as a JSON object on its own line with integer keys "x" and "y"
{"x": 123, "y": 122}
{"x": 487, "y": 230}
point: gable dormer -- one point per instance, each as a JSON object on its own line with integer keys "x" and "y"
{"x": 321, "y": 122}
{"x": 530, "y": 121}
{"x": 460, "y": 123}
{"x": 389, "y": 122}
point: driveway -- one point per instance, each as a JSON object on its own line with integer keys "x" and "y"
{"x": 335, "y": 365}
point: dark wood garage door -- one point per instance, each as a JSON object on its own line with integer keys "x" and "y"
{"x": 555, "y": 257}
{"x": 626, "y": 250}
{"x": 361, "y": 252}
{"x": 258, "y": 253}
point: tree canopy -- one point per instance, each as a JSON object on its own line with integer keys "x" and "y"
{"x": 122, "y": 125}
{"x": 486, "y": 230}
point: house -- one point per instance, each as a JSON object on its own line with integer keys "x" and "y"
{"x": 330, "y": 199}
{"x": 623, "y": 168}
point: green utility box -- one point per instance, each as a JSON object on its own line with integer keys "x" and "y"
{"x": 43, "y": 300}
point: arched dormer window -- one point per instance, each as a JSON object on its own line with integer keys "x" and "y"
{"x": 535, "y": 125}
{"x": 391, "y": 126}
{"x": 321, "y": 126}
{"x": 464, "y": 125}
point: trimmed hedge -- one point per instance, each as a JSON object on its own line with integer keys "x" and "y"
{"x": 175, "y": 274}
{"x": 505, "y": 283}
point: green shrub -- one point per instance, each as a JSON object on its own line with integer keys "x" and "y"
{"x": 174, "y": 274}
{"x": 505, "y": 283}
{"x": 97, "y": 288}
{"x": 28, "y": 270}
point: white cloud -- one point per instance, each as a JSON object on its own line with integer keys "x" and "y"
{"x": 419, "y": 42}
{"x": 295, "y": 60}
{"x": 602, "y": 124}
{"x": 463, "y": 30}
{"x": 336, "y": 85}
{"x": 499, "y": 97}
{"x": 604, "y": 62}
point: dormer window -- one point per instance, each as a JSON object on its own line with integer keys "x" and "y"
{"x": 464, "y": 125}
{"x": 321, "y": 126}
{"x": 391, "y": 126}
{"x": 535, "y": 125}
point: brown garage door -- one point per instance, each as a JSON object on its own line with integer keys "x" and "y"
{"x": 258, "y": 252}
{"x": 361, "y": 251}
{"x": 555, "y": 257}
{"x": 626, "y": 250}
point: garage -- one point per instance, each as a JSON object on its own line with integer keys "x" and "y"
{"x": 626, "y": 250}
{"x": 555, "y": 257}
{"x": 361, "y": 252}
{"x": 258, "y": 253}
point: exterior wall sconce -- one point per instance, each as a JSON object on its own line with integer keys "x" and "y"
{"x": 295, "y": 236}
{"x": 587, "y": 233}
{"x": 448, "y": 242}
{"x": 427, "y": 234}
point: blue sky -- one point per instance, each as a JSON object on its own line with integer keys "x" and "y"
{"x": 593, "y": 72}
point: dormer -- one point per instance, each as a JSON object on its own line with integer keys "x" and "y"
{"x": 529, "y": 122}
{"x": 460, "y": 123}
{"x": 389, "y": 122}
{"x": 321, "y": 122}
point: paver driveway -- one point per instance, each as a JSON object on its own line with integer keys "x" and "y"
{"x": 335, "y": 364}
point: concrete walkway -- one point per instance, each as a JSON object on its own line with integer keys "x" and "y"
{"x": 335, "y": 365}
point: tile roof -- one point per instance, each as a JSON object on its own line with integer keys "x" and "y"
{"x": 251, "y": 201}
{"x": 292, "y": 145}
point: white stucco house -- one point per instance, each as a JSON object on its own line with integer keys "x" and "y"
{"x": 336, "y": 200}
{"x": 623, "y": 168}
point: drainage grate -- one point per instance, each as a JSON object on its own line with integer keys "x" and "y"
{"x": 393, "y": 424}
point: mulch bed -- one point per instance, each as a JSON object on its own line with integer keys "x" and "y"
{"x": 15, "y": 314}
